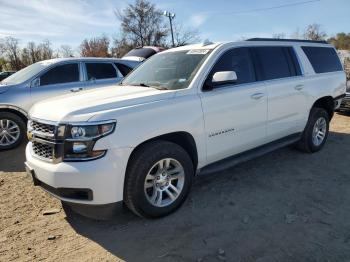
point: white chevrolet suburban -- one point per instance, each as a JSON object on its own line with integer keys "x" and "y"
{"x": 189, "y": 110}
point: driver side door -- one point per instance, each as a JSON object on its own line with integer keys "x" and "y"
{"x": 235, "y": 114}
{"x": 58, "y": 80}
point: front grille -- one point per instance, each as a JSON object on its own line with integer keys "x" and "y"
{"x": 43, "y": 128}
{"x": 43, "y": 150}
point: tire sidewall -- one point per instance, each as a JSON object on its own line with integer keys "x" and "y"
{"x": 22, "y": 128}
{"x": 141, "y": 203}
{"x": 314, "y": 116}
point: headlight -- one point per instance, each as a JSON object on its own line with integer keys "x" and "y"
{"x": 83, "y": 132}
{"x": 80, "y": 140}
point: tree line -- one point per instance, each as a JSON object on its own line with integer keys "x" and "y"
{"x": 141, "y": 24}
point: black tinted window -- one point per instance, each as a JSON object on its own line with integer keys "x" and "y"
{"x": 323, "y": 59}
{"x": 100, "y": 71}
{"x": 124, "y": 69}
{"x": 274, "y": 62}
{"x": 238, "y": 60}
{"x": 60, "y": 74}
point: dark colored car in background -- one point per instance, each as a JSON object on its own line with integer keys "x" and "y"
{"x": 5, "y": 74}
{"x": 142, "y": 53}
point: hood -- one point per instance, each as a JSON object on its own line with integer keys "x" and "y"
{"x": 4, "y": 88}
{"x": 83, "y": 105}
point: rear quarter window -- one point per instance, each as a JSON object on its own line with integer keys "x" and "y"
{"x": 124, "y": 69}
{"x": 323, "y": 59}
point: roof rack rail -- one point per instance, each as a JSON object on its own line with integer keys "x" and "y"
{"x": 288, "y": 40}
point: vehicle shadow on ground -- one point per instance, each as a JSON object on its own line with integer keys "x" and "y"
{"x": 13, "y": 160}
{"x": 278, "y": 207}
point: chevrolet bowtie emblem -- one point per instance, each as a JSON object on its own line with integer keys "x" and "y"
{"x": 29, "y": 136}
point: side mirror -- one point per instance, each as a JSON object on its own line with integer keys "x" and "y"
{"x": 220, "y": 78}
{"x": 35, "y": 82}
{"x": 224, "y": 77}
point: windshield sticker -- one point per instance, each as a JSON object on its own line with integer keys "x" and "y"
{"x": 198, "y": 52}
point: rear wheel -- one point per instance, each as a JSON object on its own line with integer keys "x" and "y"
{"x": 316, "y": 131}
{"x": 12, "y": 130}
{"x": 158, "y": 179}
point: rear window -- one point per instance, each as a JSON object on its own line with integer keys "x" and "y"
{"x": 100, "y": 71}
{"x": 276, "y": 62}
{"x": 323, "y": 59}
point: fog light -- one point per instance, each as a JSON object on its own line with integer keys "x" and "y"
{"x": 79, "y": 147}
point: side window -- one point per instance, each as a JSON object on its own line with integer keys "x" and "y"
{"x": 100, "y": 71}
{"x": 124, "y": 69}
{"x": 60, "y": 74}
{"x": 238, "y": 60}
{"x": 273, "y": 62}
{"x": 323, "y": 59}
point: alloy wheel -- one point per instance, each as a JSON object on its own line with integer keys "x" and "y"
{"x": 164, "y": 182}
{"x": 9, "y": 132}
{"x": 319, "y": 131}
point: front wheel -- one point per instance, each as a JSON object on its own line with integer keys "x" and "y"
{"x": 158, "y": 179}
{"x": 316, "y": 131}
{"x": 12, "y": 130}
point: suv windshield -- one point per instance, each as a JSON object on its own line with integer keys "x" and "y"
{"x": 25, "y": 74}
{"x": 168, "y": 70}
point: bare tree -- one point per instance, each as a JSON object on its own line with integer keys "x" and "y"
{"x": 121, "y": 46}
{"x": 142, "y": 24}
{"x": 46, "y": 51}
{"x": 314, "y": 32}
{"x": 11, "y": 51}
{"x": 33, "y": 52}
{"x": 185, "y": 36}
{"x": 95, "y": 47}
{"x": 66, "y": 51}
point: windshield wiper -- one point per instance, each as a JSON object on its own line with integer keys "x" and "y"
{"x": 145, "y": 85}
{"x": 140, "y": 84}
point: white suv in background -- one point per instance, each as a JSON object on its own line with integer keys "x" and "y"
{"x": 185, "y": 111}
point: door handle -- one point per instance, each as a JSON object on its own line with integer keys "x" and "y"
{"x": 76, "y": 89}
{"x": 299, "y": 87}
{"x": 257, "y": 96}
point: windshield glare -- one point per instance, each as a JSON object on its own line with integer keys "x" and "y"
{"x": 169, "y": 70}
{"x": 25, "y": 74}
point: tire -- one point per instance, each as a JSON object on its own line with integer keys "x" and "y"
{"x": 308, "y": 142}
{"x": 10, "y": 122}
{"x": 142, "y": 196}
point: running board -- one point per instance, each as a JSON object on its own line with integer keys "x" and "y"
{"x": 248, "y": 155}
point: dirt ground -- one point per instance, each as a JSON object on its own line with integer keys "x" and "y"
{"x": 284, "y": 206}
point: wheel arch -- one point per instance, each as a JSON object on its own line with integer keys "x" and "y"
{"x": 327, "y": 103}
{"x": 15, "y": 110}
{"x": 181, "y": 138}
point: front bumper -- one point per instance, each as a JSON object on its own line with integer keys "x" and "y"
{"x": 345, "y": 104}
{"x": 102, "y": 179}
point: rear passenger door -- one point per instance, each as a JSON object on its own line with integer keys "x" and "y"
{"x": 234, "y": 114}
{"x": 278, "y": 68}
{"x": 101, "y": 74}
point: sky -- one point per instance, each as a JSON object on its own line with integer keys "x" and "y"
{"x": 68, "y": 22}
